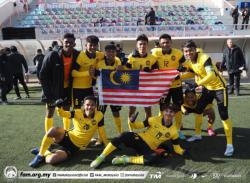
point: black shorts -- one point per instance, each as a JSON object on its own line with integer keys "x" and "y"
{"x": 65, "y": 145}
{"x": 114, "y": 108}
{"x": 176, "y": 94}
{"x": 208, "y": 96}
{"x": 67, "y": 96}
{"x": 134, "y": 141}
{"x": 80, "y": 94}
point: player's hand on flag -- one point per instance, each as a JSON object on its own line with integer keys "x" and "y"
{"x": 182, "y": 69}
{"x": 147, "y": 69}
{"x": 119, "y": 67}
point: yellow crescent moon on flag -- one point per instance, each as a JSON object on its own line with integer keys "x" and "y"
{"x": 112, "y": 78}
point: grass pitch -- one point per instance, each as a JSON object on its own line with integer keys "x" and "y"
{"x": 22, "y": 128}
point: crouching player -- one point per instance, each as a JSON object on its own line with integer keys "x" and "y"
{"x": 159, "y": 129}
{"x": 190, "y": 103}
{"x": 85, "y": 120}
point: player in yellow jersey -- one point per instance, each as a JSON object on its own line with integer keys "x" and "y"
{"x": 141, "y": 60}
{"x": 159, "y": 129}
{"x": 83, "y": 71}
{"x": 56, "y": 80}
{"x": 111, "y": 62}
{"x": 171, "y": 58}
{"x": 214, "y": 87}
{"x": 85, "y": 120}
{"x": 191, "y": 99}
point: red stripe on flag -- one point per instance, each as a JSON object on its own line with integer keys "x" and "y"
{"x": 130, "y": 102}
{"x": 133, "y": 91}
{"x": 128, "y": 96}
{"x": 156, "y": 79}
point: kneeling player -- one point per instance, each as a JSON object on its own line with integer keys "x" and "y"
{"x": 190, "y": 102}
{"x": 85, "y": 120}
{"x": 159, "y": 129}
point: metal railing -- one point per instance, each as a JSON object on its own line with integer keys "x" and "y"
{"x": 151, "y": 31}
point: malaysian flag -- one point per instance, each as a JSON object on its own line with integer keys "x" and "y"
{"x": 134, "y": 87}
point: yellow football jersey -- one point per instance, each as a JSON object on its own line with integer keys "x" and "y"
{"x": 84, "y": 128}
{"x": 157, "y": 133}
{"x": 85, "y": 64}
{"x": 141, "y": 62}
{"x": 102, "y": 64}
{"x": 169, "y": 61}
{"x": 199, "y": 69}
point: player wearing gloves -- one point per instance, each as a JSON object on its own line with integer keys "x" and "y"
{"x": 85, "y": 120}
{"x": 159, "y": 130}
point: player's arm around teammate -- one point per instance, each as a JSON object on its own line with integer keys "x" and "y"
{"x": 214, "y": 87}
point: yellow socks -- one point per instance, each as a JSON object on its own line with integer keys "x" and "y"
{"x": 66, "y": 123}
{"x": 108, "y": 149}
{"x": 136, "y": 160}
{"x": 198, "y": 122}
{"x": 178, "y": 120}
{"x": 48, "y": 122}
{"x": 46, "y": 142}
{"x": 227, "y": 124}
{"x": 129, "y": 126}
{"x": 118, "y": 124}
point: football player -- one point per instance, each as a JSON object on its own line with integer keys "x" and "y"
{"x": 84, "y": 70}
{"x": 56, "y": 80}
{"x": 159, "y": 129}
{"x": 141, "y": 60}
{"x": 110, "y": 61}
{"x": 85, "y": 120}
{"x": 171, "y": 58}
{"x": 214, "y": 87}
{"x": 190, "y": 102}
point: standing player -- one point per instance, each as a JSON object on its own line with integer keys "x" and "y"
{"x": 214, "y": 87}
{"x": 85, "y": 120}
{"x": 171, "y": 58}
{"x": 190, "y": 103}
{"x": 84, "y": 70}
{"x": 56, "y": 80}
{"x": 141, "y": 60}
{"x": 159, "y": 130}
{"x": 111, "y": 62}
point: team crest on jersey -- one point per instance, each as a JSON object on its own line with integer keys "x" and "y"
{"x": 147, "y": 62}
{"x": 173, "y": 58}
{"x": 167, "y": 135}
{"x": 86, "y": 127}
{"x": 93, "y": 122}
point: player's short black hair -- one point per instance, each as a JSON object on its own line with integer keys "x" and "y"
{"x": 90, "y": 98}
{"x": 171, "y": 107}
{"x": 110, "y": 47}
{"x": 69, "y": 35}
{"x": 92, "y": 39}
{"x": 54, "y": 43}
{"x": 189, "y": 90}
{"x": 13, "y": 49}
{"x": 39, "y": 51}
{"x": 142, "y": 37}
{"x": 189, "y": 44}
{"x": 165, "y": 36}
